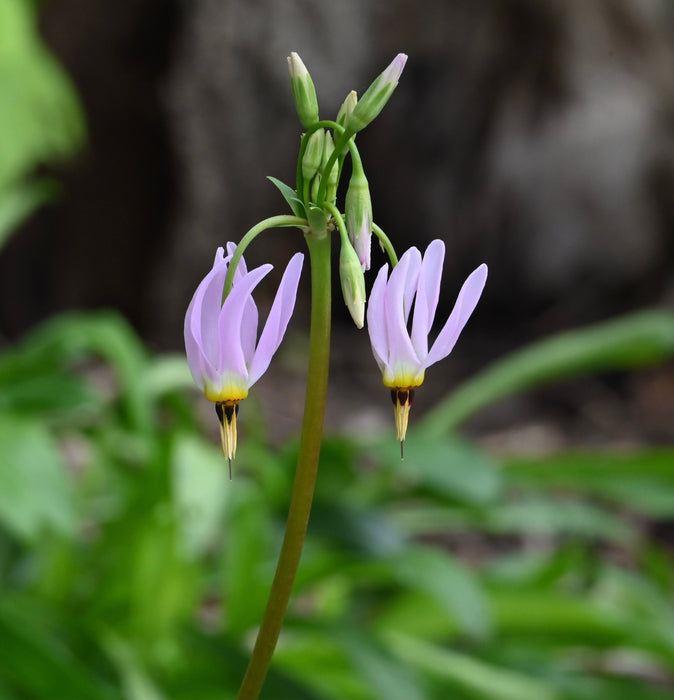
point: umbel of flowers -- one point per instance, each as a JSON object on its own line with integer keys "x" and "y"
{"x": 226, "y": 356}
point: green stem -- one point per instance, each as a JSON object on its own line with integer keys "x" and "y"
{"x": 386, "y": 244}
{"x": 341, "y": 143}
{"x": 271, "y": 222}
{"x": 339, "y": 220}
{"x": 307, "y": 466}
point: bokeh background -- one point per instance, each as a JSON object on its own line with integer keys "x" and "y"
{"x": 529, "y": 557}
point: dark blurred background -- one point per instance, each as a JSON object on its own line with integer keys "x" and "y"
{"x": 533, "y": 135}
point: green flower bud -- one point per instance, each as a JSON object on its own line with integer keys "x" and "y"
{"x": 359, "y": 215}
{"x": 333, "y": 176}
{"x": 353, "y": 282}
{"x": 315, "y": 185}
{"x": 313, "y": 154}
{"x": 304, "y": 91}
{"x": 376, "y": 96}
{"x": 346, "y": 108}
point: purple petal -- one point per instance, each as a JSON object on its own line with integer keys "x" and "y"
{"x": 231, "y": 358}
{"x": 376, "y": 319}
{"x": 241, "y": 268}
{"x": 204, "y": 310}
{"x": 465, "y": 305}
{"x": 249, "y": 323}
{"x": 393, "y": 71}
{"x": 411, "y": 279}
{"x": 428, "y": 292}
{"x": 277, "y": 321}
{"x": 402, "y": 283}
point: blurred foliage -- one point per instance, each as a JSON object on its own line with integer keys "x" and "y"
{"x": 131, "y": 567}
{"x": 40, "y": 115}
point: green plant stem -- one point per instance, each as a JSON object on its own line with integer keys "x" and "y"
{"x": 386, "y": 244}
{"x": 271, "y": 222}
{"x": 307, "y": 466}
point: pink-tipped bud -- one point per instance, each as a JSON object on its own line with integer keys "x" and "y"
{"x": 377, "y": 95}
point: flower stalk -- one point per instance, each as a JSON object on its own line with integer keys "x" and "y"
{"x": 307, "y": 467}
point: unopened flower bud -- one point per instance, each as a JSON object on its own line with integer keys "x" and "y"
{"x": 346, "y": 108}
{"x": 353, "y": 282}
{"x": 376, "y": 96}
{"x": 333, "y": 175}
{"x": 359, "y": 215}
{"x": 304, "y": 91}
{"x": 313, "y": 154}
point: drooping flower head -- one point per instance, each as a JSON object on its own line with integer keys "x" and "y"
{"x": 224, "y": 354}
{"x": 403, "y": 355}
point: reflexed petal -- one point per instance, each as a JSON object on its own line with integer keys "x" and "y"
{"x": 411, "y": 279}
{"x": 249, "y": 323}
{"x": 402, "y": 279}
{"x": 376, "y": 318}
{"x": 230, "y": 357}
{"x": 277, "y": 321}
{"x": 241, "y": 268}
{"x": 204, "y": 310}
{"x": 428, "y": 292}
{"x": 464, "y": 307}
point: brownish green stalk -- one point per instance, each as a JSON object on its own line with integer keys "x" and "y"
{"x": 307, "y": 467}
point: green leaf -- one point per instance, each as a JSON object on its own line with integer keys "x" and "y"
{"x": 19, "y": 200}
{"x": 35, "y": 494}
{"x": 318, "y": 219}
{"x": 642, "y": 480}
{"x": 200, "y": 490}
{"x": 467, "y": 674}
{"x": 36, "y": 661}
{"x": 449, "y": 466}
{"x": 247, "y": 560}
{"x": 290, "y": 195}
{"x": 70, "y": 337}
{"x": 554, "y": 516}
{"x": 450, "y": 583}
{"x": 384, "y": 675}
{"x": 41, "y": 116}
{"x": 635, "y": 340}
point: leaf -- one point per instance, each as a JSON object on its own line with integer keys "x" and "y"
{"x": 36, "y": 662}
{"x": 450, "y": 583}
{"x": 318, "y": 219}
{"x": 468, "y": 674}
{"x": 642, "y": 480}
{"x": 200, "y": 489}
{"x": 40, "y": 107}
{"x": 72, "y": 336}
{"x": 634, "y": 340}
{"x": 247, "y": 560}
{"x": 290, "y": 195}
{"x": 384, "y": 675}
{"x": 19, "y": 200}
{"x": 35, "y": 495}
{"x": 450, "y": 466}
{"x": 550, "y": 516}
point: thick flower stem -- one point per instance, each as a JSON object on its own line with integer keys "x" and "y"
{"x": 305, "y": 475}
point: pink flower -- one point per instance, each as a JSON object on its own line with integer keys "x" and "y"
{"x": 224, "y": 354}
{"x": 404, "y": 356}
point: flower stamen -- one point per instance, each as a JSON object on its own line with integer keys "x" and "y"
{"x": 402, "y": 399}
{"x": 227, "y": 412}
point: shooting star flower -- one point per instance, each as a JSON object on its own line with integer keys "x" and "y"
{"x": 404, "y": 356}
{"x": 220, "y": 337}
